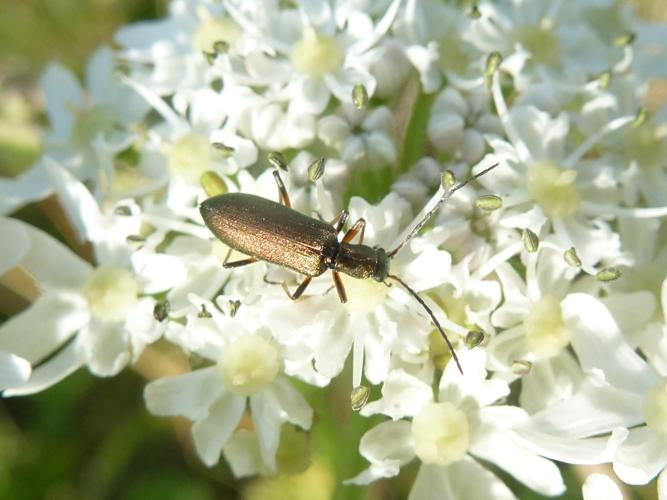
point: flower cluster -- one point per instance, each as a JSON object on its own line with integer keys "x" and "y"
{"x": 548, "y": 273}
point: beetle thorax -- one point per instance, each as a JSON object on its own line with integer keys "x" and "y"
{"x": 362, "y": 261}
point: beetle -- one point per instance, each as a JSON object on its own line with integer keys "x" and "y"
{"x": 274, "y": 232}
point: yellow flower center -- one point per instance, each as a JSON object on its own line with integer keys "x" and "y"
{"x": 553, "y": 188}
{"x": 316, "y": 55}
{"x": 111, "y": 292}
{"x": 540, "y": 41}
{"x": 248, "y": 364}
{"x": 655, "y": 407}
{"x": 89, "y": 122}
{"x": 212, "y": 30}
{"x": 441, "y": 434}
{"x": 189, "y": 157}
{"x": 546, "y": 334}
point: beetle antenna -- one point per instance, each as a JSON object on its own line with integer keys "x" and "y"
{"x": 441, "y": 197}
{"x": 433, "y": 318}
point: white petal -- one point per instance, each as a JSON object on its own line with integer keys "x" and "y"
{"x": 104, "y": 347}
{"x": 14, "y": 370}
{"x": 50, "y": 262}
{"x": 15, "y": 244}
{"x": 456, "y": 387}
{"x": 536, "y": 472}
{"x": 31, "y": 185}
{"x": 62, "y": 92}
{"x": 403, "y": 395}
{"x": 42, "y": 328}
{"x": 600, "y": 487}
{"x": 550, "y": 381}
{"x": 242, "y": 454}
{"x": 641, "y": 456}
{"x": 631, "y": 310}
{"x": 158, "y": 272}
{"x": 142, "y": 326}
{"x": 662, "y": 485}
{"x": 573, "y": 451}
{"x": 506, "y": 347}
{"x": 294, "y": 408}
{"x": 266, "y": 415}
{"x": 428, "y": 269}
{"x": 462, "y": 480}
{"x": 599, "y": 343}
{"x": 333, "y": 349}
{"x": 79, "y": 204}
{"x": 49, "y": 373}
{"x": 212, "y": 432}
{"x": 387, "y": 446}
{"x": 189, "y": 394}
{"x": 597, "y": 408}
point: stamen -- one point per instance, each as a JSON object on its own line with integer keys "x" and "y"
{"x": 583, "y": 148}
{"x": 512, "y": 133}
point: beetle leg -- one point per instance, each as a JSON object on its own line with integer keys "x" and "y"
{"x": 300, "y": 289}
{"x": 282, "y": 190}
{"x": 237, "y": 263}
{"x": 360, "y": 225}
{"x": 340, "y": 288}
{"x": 340, "y": 220}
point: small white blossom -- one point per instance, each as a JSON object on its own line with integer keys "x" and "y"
{"x": 447, "y": 432}
{"x": 246, "y": 370}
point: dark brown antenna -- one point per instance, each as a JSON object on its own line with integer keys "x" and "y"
{"x": 433, "y": 318}
{"x": 446, "y": 195}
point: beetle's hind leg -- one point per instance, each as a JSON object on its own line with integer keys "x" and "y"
{"x": 283, "y": 195}
{"x": 300, "y": 289}
{"x": 237, "y": 263}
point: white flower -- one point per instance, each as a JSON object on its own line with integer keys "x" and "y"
{"x": 362, "y": 138}
{"x": 88, "y": 125}
{"x": 187, "y": 142}
{"x": 313, "y": 50}
{"x": 542, "y": 40}
{"x": 543, "y": 186}
{"x": 435, "y": 44}
{"x": 447, "y": 432}
{"x": 247, "y": 370}
{"x": 457, "y": 123}
{"x": 621, "y": 391}
{"x": 86, "y": 315}
{"x": 165, "y": 55}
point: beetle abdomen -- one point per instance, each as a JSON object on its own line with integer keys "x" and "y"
{"x": 270, "y": 231}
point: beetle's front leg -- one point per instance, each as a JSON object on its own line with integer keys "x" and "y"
{"x": 360, "y": 225}
{"x": 283, "y": 195}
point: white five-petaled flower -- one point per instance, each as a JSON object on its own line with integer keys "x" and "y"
{"x": 246, "y": 370}
{"x": 447, "y": 433}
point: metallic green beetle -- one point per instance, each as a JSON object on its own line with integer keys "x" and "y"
{"x": 274, "y": 232}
